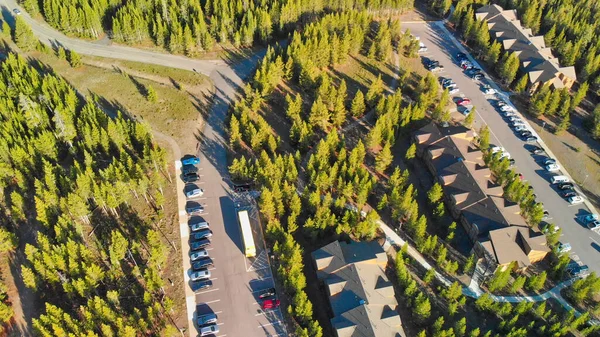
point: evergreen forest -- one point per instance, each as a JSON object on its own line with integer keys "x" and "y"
{"x": 73, "y": 183}
{"x": 192, "y": 26}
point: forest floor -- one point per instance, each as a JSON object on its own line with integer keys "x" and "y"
{"x": 184, "y": 98}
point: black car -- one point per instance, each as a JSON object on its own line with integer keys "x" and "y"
{"x": 267, "y": 293}
{"x": 566, "y": 186}
{"x": 196, "y": 245}
{"x": 431, "y": 63}
{"x": 201, "y": 285}
{"x": 461, "y": 56}
{"x": 194, "y": 208}
{"x": 536, "y": 150}
{"x": 191, "y": 177}
{"x": 525, "y": 134}
{"x": 568, "y": 194}
{"x": 242, "y": 187}
{"x": 546, "y": 215}
{"x": 511, "y": 162}
{"x": 208, "y": 262}
{"x": 477, "y": 76}
{"x": 472, "y": 70}
{"x": 531, "y": 139}
{"x": 189, "y": 169}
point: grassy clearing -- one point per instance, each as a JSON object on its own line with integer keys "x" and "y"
{"x": 174, "y": 111}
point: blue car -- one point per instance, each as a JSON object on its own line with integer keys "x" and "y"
{"x": 193, "y": 160}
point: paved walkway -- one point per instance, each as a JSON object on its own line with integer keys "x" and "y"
{"x": 473, "y": 290}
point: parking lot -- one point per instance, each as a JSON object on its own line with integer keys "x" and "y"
{"x": 441, "y": 47}
{"x": 236, "y": 280}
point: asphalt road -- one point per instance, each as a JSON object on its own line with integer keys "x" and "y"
{"x": 585, "y": 243}
{"x": 237, "y": 281}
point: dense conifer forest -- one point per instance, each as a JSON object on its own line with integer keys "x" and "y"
{"x": 192, "y": 26}
{"x": 73, "y": 182}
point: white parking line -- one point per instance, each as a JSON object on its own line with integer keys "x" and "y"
{"x": 220, "y": 323}
{"x": 261, "y": 313}
{"x": 207, "y": 249}
{"x": 209, "y": 302}
{"x": 221, "y": 335}
{"x": 218, "y": 312}
{"x": 268, "y": 324}
{"x": 261, "y": 279}
{"x": 182, "y": 212}
{"x": 208, "y": 291}
{"x": 212, "y": 279}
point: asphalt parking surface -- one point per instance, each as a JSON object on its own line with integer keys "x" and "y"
{"x": 585, "y": 243}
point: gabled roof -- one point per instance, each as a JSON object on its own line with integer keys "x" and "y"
{"x": 514, "y": 243}
{"x": 536, "y": 59}
{"x": 361, "y": 296}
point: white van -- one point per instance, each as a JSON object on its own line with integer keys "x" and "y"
{"x": 559, "y": 179}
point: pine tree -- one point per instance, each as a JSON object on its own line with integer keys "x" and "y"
{"x": 579, "y": 95}
{"x": 23, "y": 35}
{"x": 435, "y": 193}
{"x": 74, "y": 59}
{"x": 150, "y": 94}
{"x": 521, "y": 84}
{"x": 358, "y": 104}
{"x": 319, "y": 115}
{"x": 493, "y": 53}
{"x": 468, "y": 122}
{"x": 384, "y": 158}
{"x": 421, "y": 308}
{"x": 375, "y": 90}
{"x": 411, "y": 152}
{"x": 508, "y": 67}
{"x": 484, "y": 138}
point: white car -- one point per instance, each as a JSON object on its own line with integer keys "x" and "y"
{"x": 552, "y": 167}
{"x": 488, "y": 90}
{"x": 520, "y": 128}
{"x": 212, "y": 329}
{"x": 517, "y": 123}
{"x": 202, "y": 274}
{"x": 514, "y": 118}
{"x": 506, "y": 108}
{"x": 564, "y": 247}
{"x": 196, "y": 192}
{"x": 17, "y": 11}
{"x": 202, "y": 253}
{"x": 454, "y": 90}
{"x": 508, "y": 114}
{"x": 422, "y": 47}
{"x": 575, "y": 200}
{"x": 198, "y": 225}
{"x": 502, "y": 151}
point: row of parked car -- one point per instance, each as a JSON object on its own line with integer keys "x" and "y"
{"x": 200, "y": 239}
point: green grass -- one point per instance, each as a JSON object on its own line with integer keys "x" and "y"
{"x": 174, "y": 110}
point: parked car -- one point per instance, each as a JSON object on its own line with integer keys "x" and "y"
{"x": 200, "y": 275}
{"x": 422, "y": 48}
{"x": 461, "y": 56}
{"x": 568, "y": 194}
{"x": 511, "y": 162}
{"x": 466, "y": 112}
{"x": 198, "y": 225}
{"x": 436, "y": 68}
{"x": 191, "y": 177}
{"x": 520, "y": 127}
{"x": 204, "y": 263}
{"x": 187, "y": 169}
{"x": 267, "y": 293}
{"x": 17, "y": 11}
{"x": 212, "y": 329}
{"x": 575, "y": 200}
{"x": 566, "y": 186}
{"x": 552, "y": 168}
{"x": 506, "y": 108}
{"x": 194, "y": 208}
{"x": 508, "y": 114}
{"x": 202, "y": 253}
{"x": 477, "y": 76}
{"x": 549, "y": 228}
{"x": 197, "y": 245}
{"x": 207, "y": 319}
{"x": 500, "y": 103}
{"x": 525, "y": 134}
{"x": 489, "y": 90}
{"x": 594, "y": 225}
{"x": 454, "y": 90}
{"x": 446, "y": 80}
{"x": 531, "y": 139}
{"x": 536, "y": 150}
{"x": 467, "y": 65}
{"x": 201, "y": 285}
{"x": 589, "y": 218}
{"x": 472, "y": 70}
{"x": 190, "y": 160}
{"x": 463, "y": 101}
{"x": 196, "y": 192}
{"x": 449, "y": 85}
{"x": 549, "y": 161}
{"x": 430, "y": 63}
{"x": 202, "y": 234}
{"x": 564, "y": 247}
{"x": 546, "y": 216}
{"x": 514, "y": 119}
{"x": 270, "y": 304}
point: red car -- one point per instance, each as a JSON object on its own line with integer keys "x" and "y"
{"x": 270, "y": 304}
{"x": 463, "y": 101}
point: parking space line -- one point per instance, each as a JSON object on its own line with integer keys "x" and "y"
{"x": 269, "y": 324}
{"x": 207, "y": 249}
{"x": 209, "y": 302}
{"x": 218, "y": 312}
{"x": 208, "y": 291}
{"x": 212, "y": 279}
{"x": 261, "y": 279}
{"x": 220, "y": 323}
{"x": 261, "y": 313}
{"x": 182, "y": 212}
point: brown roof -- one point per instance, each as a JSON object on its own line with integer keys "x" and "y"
{"x": 536, "y": 59}
{"x": 464, "y": 176}
{"x": 514, "y": 243}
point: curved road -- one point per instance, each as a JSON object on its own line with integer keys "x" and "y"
{"x": 228, "y": 79}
